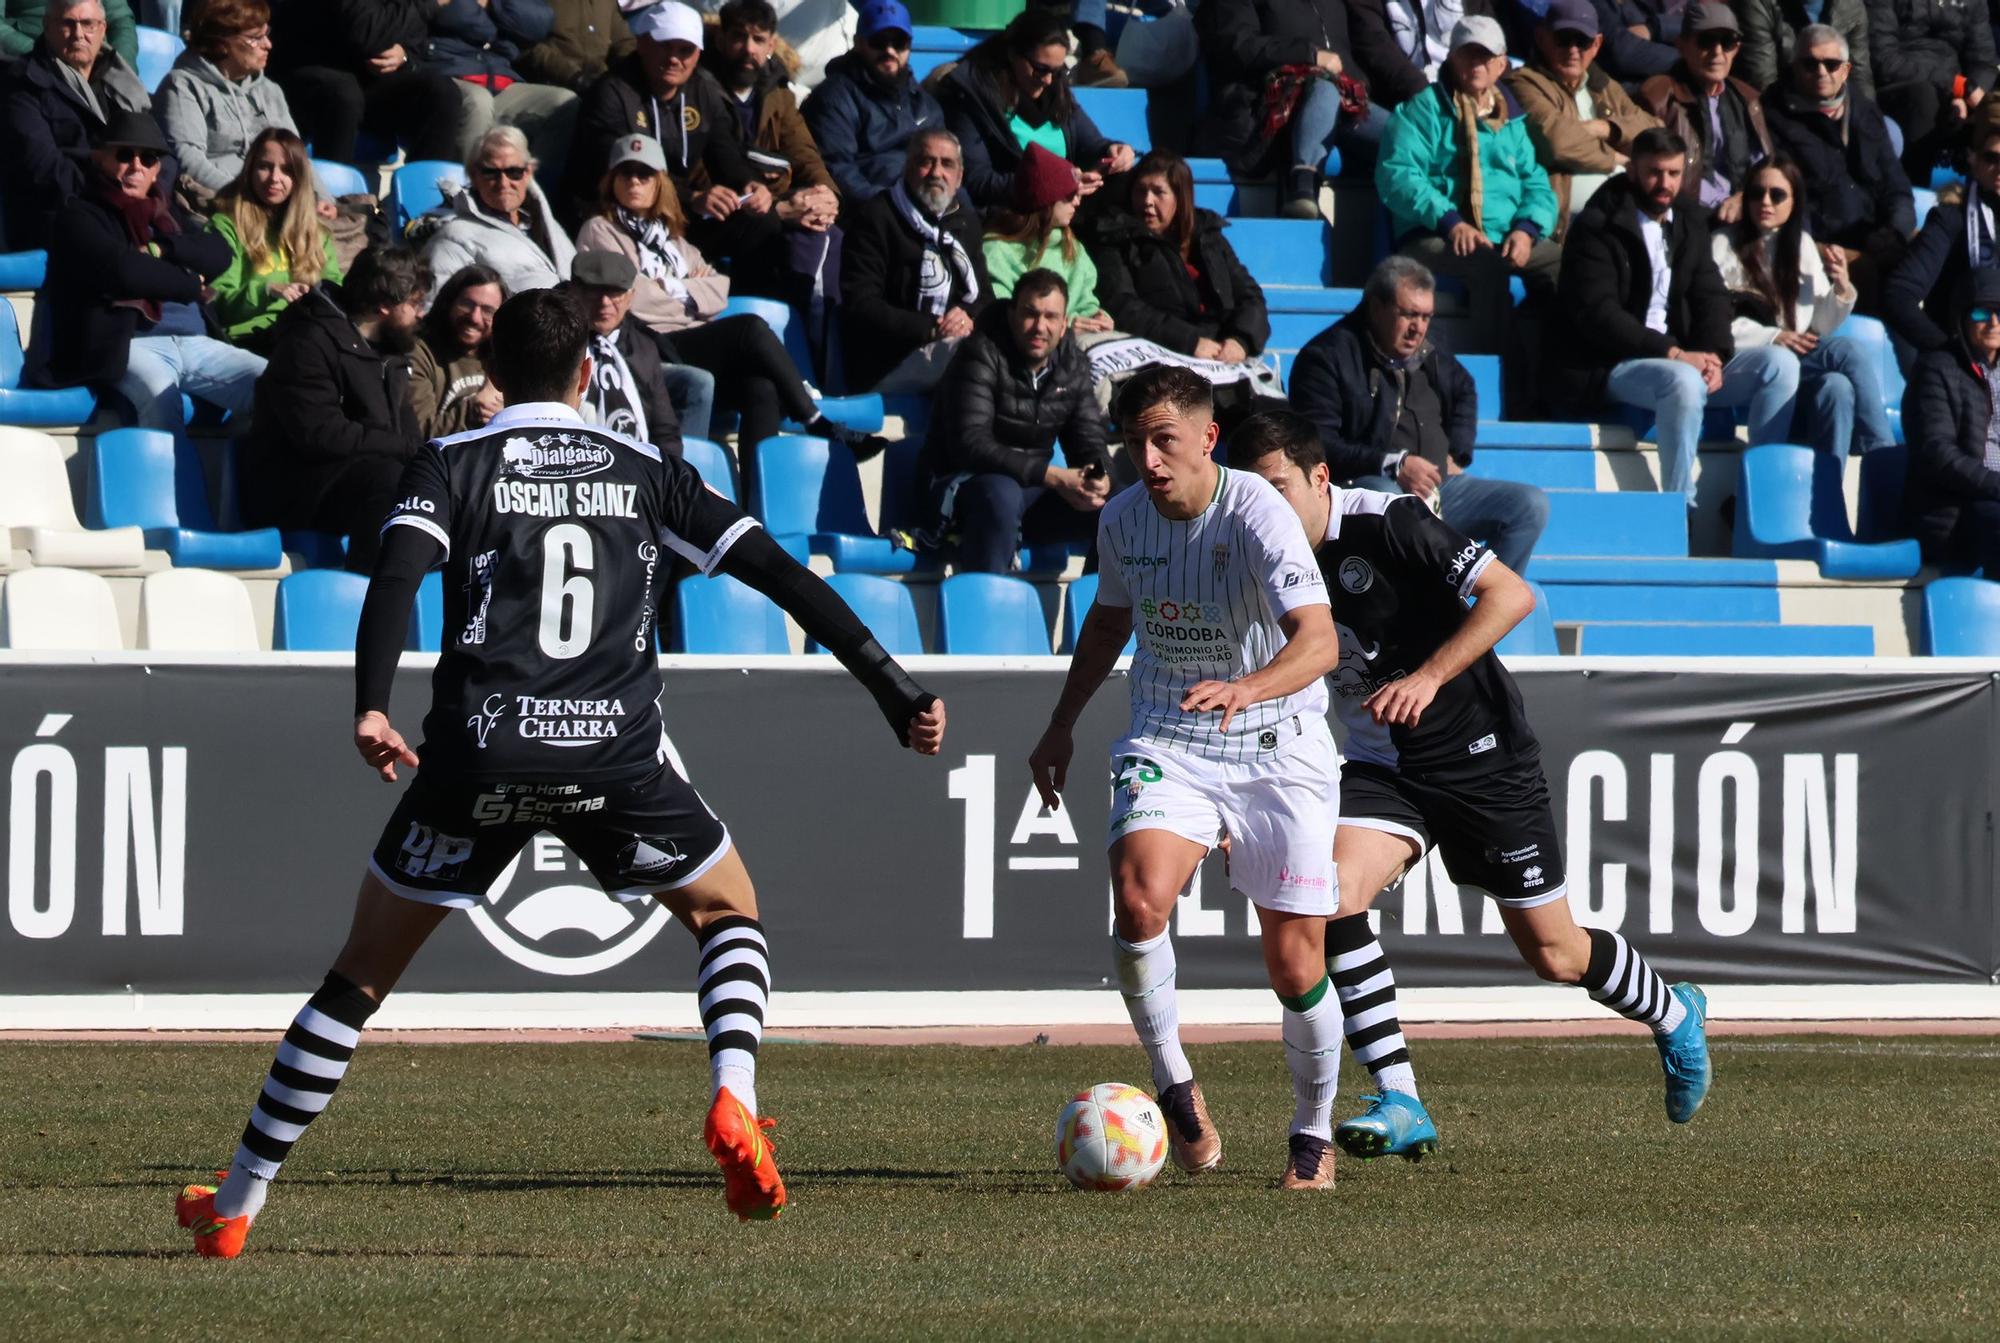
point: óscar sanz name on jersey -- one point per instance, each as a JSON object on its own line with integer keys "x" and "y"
{"x": 561, "y": 499}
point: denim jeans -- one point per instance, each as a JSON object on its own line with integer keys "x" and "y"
{"x": 1318, "y": 126}
{"x": 1507, "y": 515}
{"x": 692, "y": 390}
{"x": 1841, "y": 401}
{"x": 1766, "y": 379}
{"x": 995, "y": 514}
{"x": 160, "y": 368}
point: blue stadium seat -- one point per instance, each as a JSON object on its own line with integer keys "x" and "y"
{"x": 721, "y": 615}
{"x": 145, "y": 478}
{"x": 863, "y": 412}
{"x": 1962, "y": 618}
{"x": 316, "y": 550}
{"x": 23, "y": 270}
{"x": 158, "y": 49}
{"x": 991, "y": 614}
{"x": 1670, "y": 603}
{"x": 1078, "y": 597}
{"x": 414, "y": 190}
{"x": 427, "y": 614}
{"x": 711, "y": 462}
{"x": 1625, "y": 523}
{"x": 1119, "y": 113}
{"x": 318, "y": 611}
{"x": 1550, "y": 468}
{"x": 28, "y": 406}
{"x": 810, "y": 500}
{"x": 885, "y": 607}
{"x": 1535, "y": 636}
{"x": 1790, "y": 506}
{"x": 1926, "y": 201}
{"x": 776, "y": 315}
{"x": 1285, "y": 252}
{"x": 934, "y": 37}
{"x": 1534, "y": 434}
{"x": 340, "y": 179}
{"x": 1725, "y": 640}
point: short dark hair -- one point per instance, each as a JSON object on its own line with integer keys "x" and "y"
{"x": 539, "y": 339}
{"x": 748, "y": 14}
{"x": 382, "y": 277}
{"x": 1039, "y": 282}
{"x": 1658, "y": 143}
{"x": 1181, "y": 389}
{"x": 1270, "y": 431}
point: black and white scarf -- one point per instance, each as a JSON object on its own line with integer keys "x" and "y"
{"x": 660, "y": 257}
{"x": 614, "y": 392}
{"x": 945, "y": 257}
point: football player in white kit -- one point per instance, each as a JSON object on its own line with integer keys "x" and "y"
{"x": 1229, "y": 736}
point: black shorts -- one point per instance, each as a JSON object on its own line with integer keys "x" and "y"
{"x": 451, "y": 836}
{"x": 1496, "y": 831}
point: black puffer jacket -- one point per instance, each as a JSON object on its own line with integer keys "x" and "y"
{"x": 1340, "y": 384}
{"x": 1605, "y": 286}
{"x": 1245, "y": 40}
{"x": 1945, "y": 414}
{"x": 972, "y": 109}
{"x": 327, "y": 398}
{"x": 1930, "y": 42}
{"x": 1855, "y": 185}
{"x": 991, "y": 417}
{"x": 880, "y": 266}
{"x": 1145, "y": 286}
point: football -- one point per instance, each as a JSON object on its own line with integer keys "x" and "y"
{"x": 1111, "y": 1137}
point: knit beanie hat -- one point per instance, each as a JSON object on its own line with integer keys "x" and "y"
{"x": 1042, "y": 180}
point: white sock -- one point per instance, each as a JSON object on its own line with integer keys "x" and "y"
{"x": 742, "y": 1083}
{"x": 241, "y": 1194}
{"x": 1312, "y": 1051}
{"x": 1146, "y": 979}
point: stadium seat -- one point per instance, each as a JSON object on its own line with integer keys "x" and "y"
{"x": 38, "y": 514}
{"x": 711, "y": 462}
{"x": 196, "y": 611}
{"x": 810, "y": 500}
{"x": 1285, "y": 252}
{"x": 418, "y": 188}
{"x": 427, "y": 614}
{"x": 1726, "y": 640}
{"x": 776, "y": 315}
{"x": 145, "y": 478}
{"x": 158, "y": 49}
{"x": 991, "y": 614}
{"x": 721, "y": 615}
{"x": 1626, "y": 523}
{"x": 885, "y": 607}
{"x": 23, "y": 270}
{"x": 315, "y": 550}
{"x": 1790, "y": 506}
{"x": 340, "y": 179}
{"x": 318, "y": 611}
{"x": 1550, "y": 468}
{"x": 1079, "y": 594}
{"x": 1119, "y": 113}
{"x": 1962, "y": 618}
{"x": 21, "y": 405}
{"x": 863, "y": 412}
{"x": 1535, "y": 636}
{"x": 1926, "y": 201}
{"x": 59, "y": 610}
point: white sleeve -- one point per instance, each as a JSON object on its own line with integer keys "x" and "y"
{"x": 1111, "y": 589}
{"x": 1282, "y": 553}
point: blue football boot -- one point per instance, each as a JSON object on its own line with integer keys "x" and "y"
{"x": 1394, "y": 1124}
{"x": 1684, "y": 1056}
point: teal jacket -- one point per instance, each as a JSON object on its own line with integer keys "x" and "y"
{"x": 1418, "y": 174}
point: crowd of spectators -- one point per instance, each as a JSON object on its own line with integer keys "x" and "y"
{"x": 1650, "y": 204}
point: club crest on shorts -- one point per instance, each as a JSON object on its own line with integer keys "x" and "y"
{"x": 546, "y": 913}
{"x": 1356, "y": 574}
{"x": 1267, "y": 740}
{"x": 650, "y": 858}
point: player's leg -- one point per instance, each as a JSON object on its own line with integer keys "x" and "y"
{"x": 1294, "y": 948}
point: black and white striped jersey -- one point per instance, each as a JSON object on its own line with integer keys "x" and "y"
{"x": 1399, "y": 577}
{"x": 558, "y": 539}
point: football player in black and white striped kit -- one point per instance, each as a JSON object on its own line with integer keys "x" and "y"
{"x": 1228, "y": 736}
{"x": 1440, "y": 751}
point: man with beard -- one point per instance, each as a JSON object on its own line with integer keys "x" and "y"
{"x": 743, "y": 60}
{"x": 334, "y": 428}
{"x": 915, "y": 273}
{"x": 869, "y": 105}
{"x": 627, "y": 392}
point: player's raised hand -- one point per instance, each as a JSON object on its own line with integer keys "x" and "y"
{"x": 927, "y": 729}
{"x": 1049, "y": 764}
{"x": 1228, "y": 696}
{"x": 1402, "y": 702}
{"x": 381, "y": 745}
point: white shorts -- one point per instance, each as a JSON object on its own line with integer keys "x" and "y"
{"x": 1279, "y": 813}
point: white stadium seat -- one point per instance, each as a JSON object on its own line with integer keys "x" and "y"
{"x": 59, "y": 610}
{"x": 196, "y": 611}
{"x": 38, "y": 516}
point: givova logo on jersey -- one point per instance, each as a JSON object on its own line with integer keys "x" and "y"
{"x": 555, "y": 456}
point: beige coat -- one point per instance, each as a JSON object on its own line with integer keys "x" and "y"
{"x": 708, "y": 288}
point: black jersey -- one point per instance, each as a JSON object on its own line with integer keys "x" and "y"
{"x": 553, "y": 532}
{"x": 1399, "y": 578}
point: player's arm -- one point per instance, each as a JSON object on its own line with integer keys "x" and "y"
{"x": 1098, "y": 645}
{"x": 916, "y": 715}
{"x": 407, "y": 555}
{"x": 1504, "y": 602}
{"x": 1312, "y": 648}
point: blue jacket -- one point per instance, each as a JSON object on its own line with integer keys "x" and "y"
{"x": 862, "y": 128}
{"x": 470, "y": 39}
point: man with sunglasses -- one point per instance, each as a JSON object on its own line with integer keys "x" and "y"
{"x": 1582, "y": 120}
{"x": 1958, "y": 239}
{"x": 1771, "y": 30}
{"x": 1720, "y": 117}
{"x": 1934, "y": 64}
{"x": 869, "y": 105}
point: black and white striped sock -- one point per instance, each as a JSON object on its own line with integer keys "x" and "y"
{"x": 1367, "y": 989}
{"x": 311, "y": 1061}
{"x": 1619, "y": 977}
{"x": 733, "y": 985}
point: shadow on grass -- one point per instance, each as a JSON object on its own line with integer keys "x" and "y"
{"x": 278, "y": 1251}
{"x": 525, "y": 1181}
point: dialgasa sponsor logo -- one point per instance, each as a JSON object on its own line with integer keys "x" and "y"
{"x": 562, "y": 456}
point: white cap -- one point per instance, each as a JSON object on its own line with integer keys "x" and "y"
{"x": 669, "y": 21}
{"x": 1479, "y": 30}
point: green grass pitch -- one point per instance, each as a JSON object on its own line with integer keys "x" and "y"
{"x": 1833, "y": 1187}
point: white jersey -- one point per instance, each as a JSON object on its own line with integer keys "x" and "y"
{"x": 1206, "y": 595}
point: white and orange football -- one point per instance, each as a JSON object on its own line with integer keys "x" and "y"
{"x": 1111, "y": 1137}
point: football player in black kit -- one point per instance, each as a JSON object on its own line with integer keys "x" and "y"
{"x": 555, "y": 538}
{"x": 1439, "y": 752}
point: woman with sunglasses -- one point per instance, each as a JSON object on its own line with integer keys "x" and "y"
{"x": 1720, "y": 116}
{"x": 1790, "y": 292}
{"x": 279, "y": 247}
{"x": 217, "y": 97}
{"x": 1013, "y": 90}
{"x": 1952, "y": 500}
{"x": 502, "y": 220}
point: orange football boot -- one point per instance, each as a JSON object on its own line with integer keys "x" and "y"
{"x": 751, "y": 1184}
{"x": 214, "y": 1237}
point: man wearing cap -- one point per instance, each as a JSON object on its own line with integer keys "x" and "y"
{"x": 1485, "y": 214}
{"x": 627, "y": 392}
{"x": 1952, "y": 415}
{"x": 869, "y": 105}
{"x": 128, "y": 277}
{"x": 1581, "y": 120}
{"x": 1720, "y": 117}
